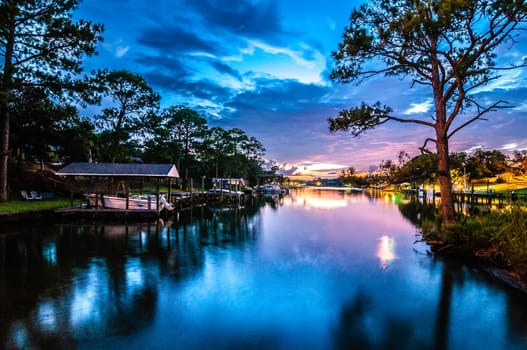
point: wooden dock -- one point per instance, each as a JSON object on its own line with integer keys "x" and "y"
{"x": 182, "y": 201}
{"x": 102, "y": 213}
{"x": 479, "y": 198}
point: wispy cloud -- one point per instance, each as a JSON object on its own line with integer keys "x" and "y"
{"x": 120, "y": 51}
{"x": 419, "y": 108}
{"x": 117, "y": 49}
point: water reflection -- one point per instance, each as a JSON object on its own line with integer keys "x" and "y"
{"x": 360, "y": 328}
{"x": 316, "y": 269}
{"x": 386, "y": 251}
{"x": 70, "y": 283}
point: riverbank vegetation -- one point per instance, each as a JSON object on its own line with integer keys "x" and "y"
{"x": 498, "y": 237}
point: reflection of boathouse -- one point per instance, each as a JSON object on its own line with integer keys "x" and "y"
{"x": 121, "y": 187}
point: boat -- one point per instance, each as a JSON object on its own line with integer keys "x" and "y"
{"x": 228, "y": 186}
{"x": 271, "y": 189}
{"x": 143, "y": 202}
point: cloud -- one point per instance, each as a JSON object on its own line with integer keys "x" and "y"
{"x": 117, "y": 49}
{"x": 418, "y": 108}
{"x": 242, "y": 17}
{"x": 172, "y": 38}
{"x": 121, "y": 51}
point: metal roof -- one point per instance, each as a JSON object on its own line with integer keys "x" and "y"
{"x": 117, "y": 169}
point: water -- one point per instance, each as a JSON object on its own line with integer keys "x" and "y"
{"x": 319, "y": 269}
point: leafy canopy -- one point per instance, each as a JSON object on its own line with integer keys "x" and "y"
{"x": 41, "y": 44}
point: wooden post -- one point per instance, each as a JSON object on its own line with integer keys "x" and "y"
{"x": 191, "y": 199}
{"x": 169, "y": 190}
{"x": 157, "y": 195}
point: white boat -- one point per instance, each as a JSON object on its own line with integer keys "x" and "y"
{"x": 226, "y": 191}
{"x": 271, "y": 189}
{"x": 134, "y": 202}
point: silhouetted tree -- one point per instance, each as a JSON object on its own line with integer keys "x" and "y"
{"x": 40, "y": 44}
{"x": 130, "y": 102}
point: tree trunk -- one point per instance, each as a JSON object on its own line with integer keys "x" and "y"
{"x": 5, "y": 94}
{"x": 445, "y": 182}
{"x": 4, "y": 151}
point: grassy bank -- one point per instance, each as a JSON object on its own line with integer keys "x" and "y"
{"x": 499, "y": 237}
{"x": 20, "y": 206}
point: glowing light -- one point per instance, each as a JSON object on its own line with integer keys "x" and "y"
{"x": 386, "y": 251}
{"x": 325, "y": 203}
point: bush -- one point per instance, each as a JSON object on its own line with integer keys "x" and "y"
{"x": 500, "y": 237}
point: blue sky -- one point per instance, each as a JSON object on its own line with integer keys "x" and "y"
{"x": 263, "y": 66}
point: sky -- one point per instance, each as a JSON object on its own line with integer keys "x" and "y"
{"x": 263, "y": 67}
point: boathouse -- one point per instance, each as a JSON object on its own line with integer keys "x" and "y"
{"x": 118, "y": 179}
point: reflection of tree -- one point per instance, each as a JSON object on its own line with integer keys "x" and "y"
{"x": 66, "y": 283}
{"x": 516, "y": 316}
{"x": 444, "y": 306}
{"x": 355, "y": 330}
{"x": 417, "y": 212}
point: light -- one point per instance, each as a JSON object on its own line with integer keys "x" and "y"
{"x": 386, "y": 251}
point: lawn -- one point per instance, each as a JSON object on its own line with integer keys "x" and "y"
{"x": 520, "y": 188}
{"x": 17, "y": 206}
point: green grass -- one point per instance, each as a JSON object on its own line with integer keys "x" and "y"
{"x": 504, "y": 187}
{"x": 18, "y": 206}
{"x": 499, "y": 237}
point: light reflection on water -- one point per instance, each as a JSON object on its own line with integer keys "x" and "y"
{"x": 316, "y": 269}
{"x": 386, "y": 250}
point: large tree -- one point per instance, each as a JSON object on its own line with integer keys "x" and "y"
{"x": 187, "y": 128}
{"x": 129, "y": 102}
{"x": 40, "y": 44}
{"x": 448, "y": 46}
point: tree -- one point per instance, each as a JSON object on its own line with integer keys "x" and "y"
{"x": 347, "y": 176}
{"x": 447, "y": 46}
{"x": 40, "y": 44}
{"x": 187, "y": 128}
{"x": 215, "y": 147}
{"x": 238, "y": 139}
{"x": 131, "y": 103}
{"x": 484, "y": 164}
{"x": 78, "y": 141}
{"x": 38, "y": 124}
{"x": 519, "y": 161}
{"x": 158, "y": 147}
{"x": 418, "y": 169}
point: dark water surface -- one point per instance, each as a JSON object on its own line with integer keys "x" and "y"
{"x": 319, "y": 269}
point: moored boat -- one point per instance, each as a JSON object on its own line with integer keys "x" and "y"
{"x": 144, "y": 202}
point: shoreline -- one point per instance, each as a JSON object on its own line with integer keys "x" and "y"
{"x": 470, "y": 257}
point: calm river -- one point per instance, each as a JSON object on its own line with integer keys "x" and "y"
{"x": 319, "y": 269}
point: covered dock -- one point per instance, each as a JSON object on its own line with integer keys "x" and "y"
{"x": 119, "y": 180}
